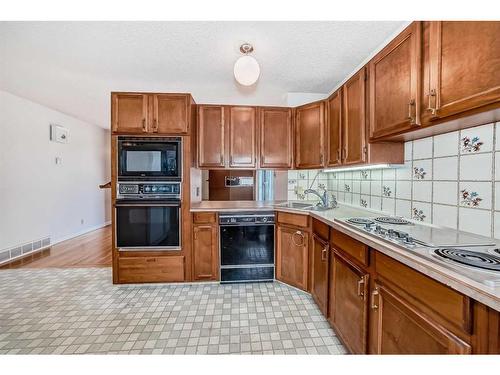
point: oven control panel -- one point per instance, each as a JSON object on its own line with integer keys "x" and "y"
{"x": 149, "y": 190}
{"x": 246, "y": 218}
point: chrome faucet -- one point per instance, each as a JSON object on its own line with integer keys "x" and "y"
{"x": 323, "y": 197}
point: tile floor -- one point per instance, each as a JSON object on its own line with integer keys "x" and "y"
{"x": 79, "y": 311}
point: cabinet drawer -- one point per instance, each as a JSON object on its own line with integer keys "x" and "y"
{"x": 151, "y": 269}
{"x": 432, "y": 297}
{"x": 321, "y": 229}
{"x": 204, "y": 217}
{"x": 357, "y": 250}
{"x": 293, "y": 219}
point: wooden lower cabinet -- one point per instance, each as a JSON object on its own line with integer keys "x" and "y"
{"x": 292, "y": 253}
{"x": 348, "y": 303}
{"x": 150, "y": 269}
{"x": 399, "y": 328}
{"x": 205, "y": 254}
{"x": 319, "y": 272}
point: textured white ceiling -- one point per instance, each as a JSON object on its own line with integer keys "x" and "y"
{"x": 73, "y": 66}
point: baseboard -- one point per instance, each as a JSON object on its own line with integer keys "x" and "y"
{"x": 81, "y": 233}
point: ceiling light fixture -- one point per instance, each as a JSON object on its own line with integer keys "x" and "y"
{"x": 246, "y": 68}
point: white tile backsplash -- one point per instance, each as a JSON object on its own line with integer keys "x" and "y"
{"x": 429, "y": 187}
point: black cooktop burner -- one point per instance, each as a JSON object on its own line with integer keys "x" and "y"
{"x": 360, "y": 221}
{"x": 391, "y": 220}
{"x": 471, "y": 258}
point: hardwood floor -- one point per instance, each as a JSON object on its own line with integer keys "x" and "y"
{"x": 89, "y": 250}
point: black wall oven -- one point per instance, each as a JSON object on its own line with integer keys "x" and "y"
{"x": 246, "y": 247}
{"x": 149, "y": 158}
{"x": 148, "y": 216}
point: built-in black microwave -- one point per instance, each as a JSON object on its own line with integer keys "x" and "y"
{"x": 149, "y": 158}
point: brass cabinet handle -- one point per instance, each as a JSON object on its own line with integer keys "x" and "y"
{"x": 155, "y": 129}
{"x": 361, "y": 284}
{"x": 432, "y": 109}
{"x": 144, "y": 125}
{"x": 411, "y": 117}
{"x": 375, "y": 295}
{"x": 324, "y": 253}
{"x": 298, "y": 233}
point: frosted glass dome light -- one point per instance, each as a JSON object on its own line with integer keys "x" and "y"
{"x": 246, "y": 68}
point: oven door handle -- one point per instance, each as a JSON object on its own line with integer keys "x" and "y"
{"x": 146, "y": 204}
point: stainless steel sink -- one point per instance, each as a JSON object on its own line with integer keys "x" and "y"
{"x": 302, "y": 206}
{"x": 296, "y": 205}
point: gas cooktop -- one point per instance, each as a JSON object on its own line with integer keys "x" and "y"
{"x": 474, "y": 256}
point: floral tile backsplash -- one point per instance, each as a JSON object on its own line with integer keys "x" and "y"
{"x": 452, "y": 180}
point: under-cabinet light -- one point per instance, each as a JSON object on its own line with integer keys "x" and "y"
{"x": 363, "y": 167}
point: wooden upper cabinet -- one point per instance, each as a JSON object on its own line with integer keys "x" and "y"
{"x": 129, "y": 113}
{"x": 319, "y": 269}
{"x": 348, "y": 303}
{"x": 292, "y": 256}
{"x": 398, "y": 328}
{"x": 276, "y": 138}
{"x": 395, "y": 81}
{"x": 354, "y": 125}
{"x": 464, "y": 60}
{"x": 242, "y": 137}
{"x": 334, "y": 129}
{"x": 170, "y": 113}
{"x": 211, "y": 136}
{"x": 309, "y": 135}
{"x": 205, "y": 253}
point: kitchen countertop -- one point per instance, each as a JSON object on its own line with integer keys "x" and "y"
{"x": 488, "y": 295}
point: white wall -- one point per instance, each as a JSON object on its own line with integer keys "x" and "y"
{"x": 37, "y": 197}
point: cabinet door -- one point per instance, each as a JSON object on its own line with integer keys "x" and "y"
{"x": 334, "y": 129}
{"x": 464, "y": 59}
{"x": 348, "y": 303}
{"x": 292, "y": 256}
{"x": 309, "y": 136}
{"x": 242, "y": 137}
{"x": 170, "y": 114}
{"x": 129, "y": 113}
{"x": 353, "y": 129}
{"x": 211, "y": 136}
{"x": 399, "y": 328}
{"x": 276, "y": 138}
{"x": 205, "y": 257}
{"x": 395, "y": 85}
{"x": 319, "y": 277}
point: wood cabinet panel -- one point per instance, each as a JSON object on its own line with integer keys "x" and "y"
{"x": 464, "y": 58}
{"x": 211, "y": 136}
{"x": 292, "y": 256}
{"x": 399, "y": 328}
{"x": 205, "y": 254}
{"x": 319, "y": 272}
{"x": 354, "y": 125}
{"x": 204, "y": 217}
{"x": 309, "y": 135}
{"x": 276, "y": 138}
{"x": 129, "y": 113}
{"x": 353, "y": 248}
{"x": 334, "y": 129}
{"x": 170, "y": 113}
{"x": 242, "y": 137}
{"x": 298, "y": 220}
{"x": 348, "y": 303}
{"x": 450, "y": 308}
{"x": 150, "y": 269}
{"x": 395, "y": 81}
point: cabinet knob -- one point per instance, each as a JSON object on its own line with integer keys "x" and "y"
{"x": 411, "y": 117}
{"x": 432, "y": 98}
{"x": 375, "y": 299}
